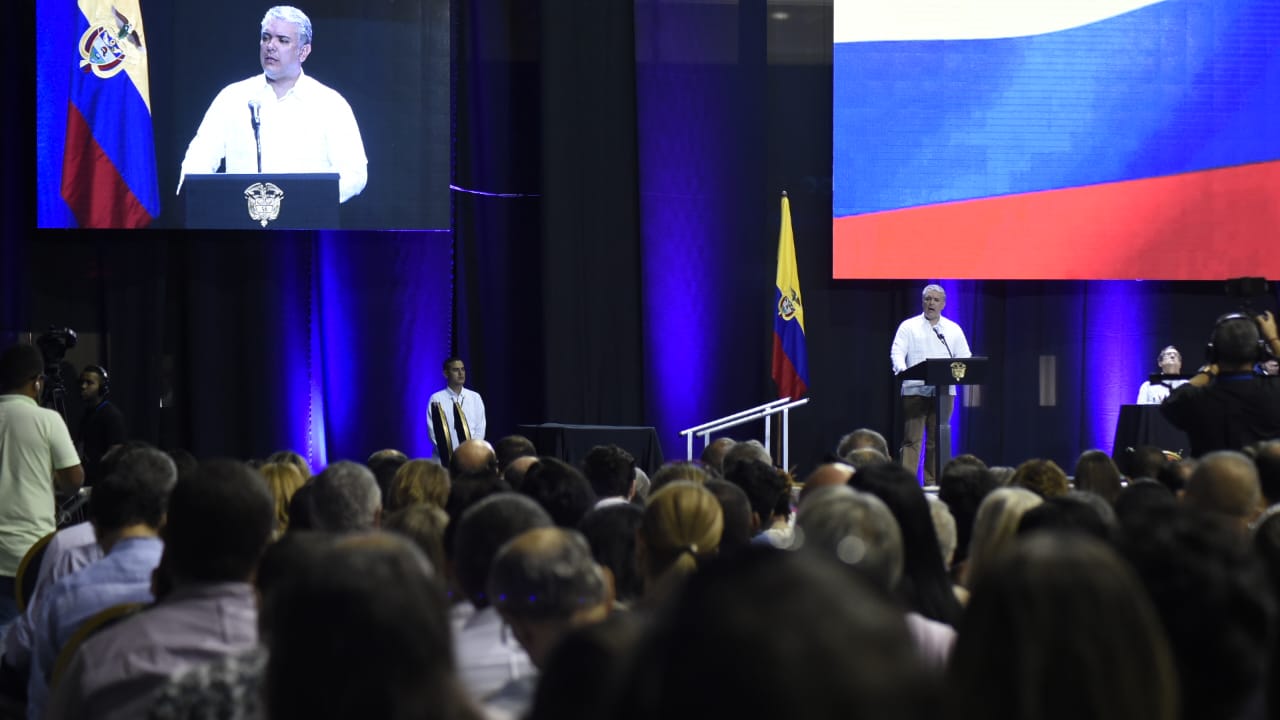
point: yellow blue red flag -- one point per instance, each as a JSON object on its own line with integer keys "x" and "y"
{"x": 109, "y": 164}
{"x": 790, "y": 363}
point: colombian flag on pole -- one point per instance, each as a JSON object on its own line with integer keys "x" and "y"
{"x": 109, "y": 164}
{"x": 790, "y": 364}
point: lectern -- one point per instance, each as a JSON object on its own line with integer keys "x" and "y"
{"x": 942, "y": 373}
{"x": 285, "y": 201}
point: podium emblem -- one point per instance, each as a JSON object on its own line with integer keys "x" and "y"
{"x": 958, "y": 370}
{"x": 264, "y": 201}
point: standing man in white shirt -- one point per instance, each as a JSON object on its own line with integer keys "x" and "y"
{"x": 925, "y": 336}
{"x": 301, "y": 125}
{"x": 454, "y": 414}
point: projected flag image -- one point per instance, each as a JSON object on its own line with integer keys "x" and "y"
{"x": 1056, "y": 139}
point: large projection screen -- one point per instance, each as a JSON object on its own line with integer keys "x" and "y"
{"x": 1056, "y": 139}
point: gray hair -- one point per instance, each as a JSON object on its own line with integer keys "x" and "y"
{"x": 944, "y": 523}
{"x": 856, "y": 528}
{"x": 288, "y": 13}
{"x": 345, "y": 498}
{"x": 934, "y": 287}
{"x": 749, "y": 450}
{"x": 546, "y": 574}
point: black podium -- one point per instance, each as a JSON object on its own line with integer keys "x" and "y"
{"x": 279, "y": 201}
{"x": 942, "y": 373}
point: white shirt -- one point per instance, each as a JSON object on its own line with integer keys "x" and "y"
{"x": 309, "y": 130}
{"x": 489, "y": 656}
{"x": 1154, "y": 394}
{"x": 916, "y": 342}
{"x": 34, "y": 442}
{"x": 472, "y": 408}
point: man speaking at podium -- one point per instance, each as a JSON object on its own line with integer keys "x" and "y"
{"x": 282, "y": 121}
{"x": 927, "y": 335}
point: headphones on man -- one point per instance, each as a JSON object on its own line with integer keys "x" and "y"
{"x": 105, "y": 388}
{"x": 1211, "y": 353}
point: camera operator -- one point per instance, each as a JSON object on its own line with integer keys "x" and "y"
{"x": 36, "y": 453}
{"x": 101, "y": 426}
{"x": 1227, "y": 406}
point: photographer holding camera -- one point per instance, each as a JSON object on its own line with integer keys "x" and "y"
{"x": 1226, "y": 405}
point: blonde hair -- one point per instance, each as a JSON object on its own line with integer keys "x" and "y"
{"x": 995, "y": 526}
{"x": 419, "y": 481}
{"x": 283, "y": 480}
{"x": 682, "y": 525}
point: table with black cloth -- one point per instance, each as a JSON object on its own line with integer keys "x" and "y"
{"x": 1145, "y": 425}
{"x": 571, "y": 443}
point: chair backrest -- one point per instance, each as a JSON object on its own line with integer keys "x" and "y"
{"x": 98, "y": 621}
{"x": 24, "y": 583}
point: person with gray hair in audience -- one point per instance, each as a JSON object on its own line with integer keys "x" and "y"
{"x": 544, "y": 583}
{"x": 345, "y": 498}
{"x": 488, "y": 658}
{"x": 859, "y": 530}
{"x": 862, "y": 438}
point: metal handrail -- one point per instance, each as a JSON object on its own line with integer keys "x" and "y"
{"x": 762, "y": 412}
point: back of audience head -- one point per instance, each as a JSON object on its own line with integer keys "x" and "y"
{"x": 860, "y": 458}
{"x": 1145, "y": 461}
{"x": 766, "y": 489}
{"x": 136, "y": 492}
{"x": 185, "y": 462}
{"x": 384, "y": 464}
{"x": 1212, "y": 597}
{"x": 862, "y": 438}
{"x": 1043, "y": 477}
{"x": 466, "y": 492}
{"x": 995, "y": 526}
{"x": 1069, "y": 514}
{"x": 712, "y": 456}
{"x": 681, "y": 528}
{"x": 1140, "y": 495}
{"x": 611, "y": 532}
{"x": 1002, "y": 475}
{"x": 837, "y": 648}
{"x": 856, "y": 529}
{"x": 1059, "y": 627}
{"x": 482, "y": 531}
{"x": 423, "y": 524}
{"x": 345, "y": 498}
{"x": 283, "y": 480}
{"x": 544, "y": 582}
{"x": 944, "y": 524}
{"x": 580, "y": 675}
{"x": 744, "y": 451}
{"x": 419, "y": 481}
{"x": 643, "y": 487}
{"x": 674, "y": 471}
{"x": 965, "y": 481}
{"x": 925, "y": 587}
{"x": 736, "y": 508}
{"x": 610, "y": 470}
{"x": 1097, "y": 473}
{"x": 1225, "y": 483}
{"x": 1174, "y": 475}
{"x": 1266, "y": 457}
{"x": 826, "y": 475}
{"x": 1235, "y": 343}
{"x": 511, "y": 447}
{"x": 391, "y": 656}
{"x": 472, "y": 457}
{"x": 560, "y": 489}
{"x": 19, "y": 365}
{"x": 218, "y": 523}
{"x": 292, "y": 458}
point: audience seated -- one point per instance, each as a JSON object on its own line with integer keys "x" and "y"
{"x": 1059, "y": 627}
{"x": 1043, "y": 477}
{"x": 1225, "y": 483}
{"x": 826, "y": 475}
{"x": 218, "y": 523}
{"x": 925, "y": 587}
{"x": 488, "y": 658}
{"x": 578, "y": 679}
{"x": 611, "y": 472}
{"x": 736, "y": 507}
{"x": 419, "y": 481}
{"x": 611, "y": 533}
{"x": 423, "y": 524}
{"x": 673, "y": 471}
{"x": 515, "y": 471}
{"x": 511, "y": 447}
{"x": 1140, "y": 495}
{"x": 345, "y": 498}
{"x": 767, "y": 491}
{"x": 964, "y": 483}
{"x": 944, "y": 524}
{"x": 283, "y": 480}
{"x": 561, "y": 490}
{"x": 995, "y": 526}
{"x": 1145, "y": 461}
{"x": 858, "y": 530}
{"x": 472, "y": 457}
{"x": 1212, "y": 597}
{"x": 1069, "y": 514}
{"x": 712, "y": 457}
{"x": 862, "y": 438}
{"x": 1097, "y": 473}
{"x": 774, "y": 634}
{"x": 1266, "y": 457}
{"x": 681, "y": 529}
{"x": 384, "y": 464}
